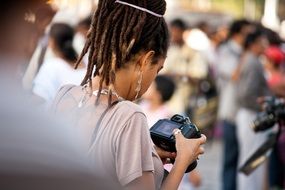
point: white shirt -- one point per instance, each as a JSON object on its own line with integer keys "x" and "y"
{"x": 228, "y": 60}
{"x": 154, "y": 115}
{"x": 34, "y": 63}
{"x": 54, "y": 73}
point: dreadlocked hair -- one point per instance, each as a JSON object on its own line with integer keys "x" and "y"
{"x": 119, "y": 32}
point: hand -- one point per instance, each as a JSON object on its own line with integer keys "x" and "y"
{"x": 164, "y": 155}
{"x": 188, "y": 150}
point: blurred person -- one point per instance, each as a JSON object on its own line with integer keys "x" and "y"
{"x": 154, "y": 100}
{"x": 26, "y": 15}
{"x": 207, "y": 90}
{"x": 184, "y": 64}
{"x": 43, "y": 17}
{"x": 125, "y": 55}
{"x": 58, "y": 71}
{"x": 155, "y": 108}
{"x": 197, "y": 37}
{"x": 204, "y": 27}
{"x": 275, "y": 77}
{"x": 81, "y": 34}
{"x": 229, "y": 55}
{"x": 217, "y": 36}
{"x": 39, "y": 151}
{"x": 273, "y": 37}
{"x": 18, "y": 40}
{"x": 275, "y": 59}
{"x": 191, "y": 181}
{"x": 250, "y": 86}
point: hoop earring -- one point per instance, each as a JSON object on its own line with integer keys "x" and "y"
{"x": 139, "y": 85}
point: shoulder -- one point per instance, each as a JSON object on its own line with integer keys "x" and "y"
{"x": 127, "y": 110}
{"x": 130, "y": 113}
{"x": 129, "y": 106}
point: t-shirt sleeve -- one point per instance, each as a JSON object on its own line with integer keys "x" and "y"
{"x": 133, "y": 150}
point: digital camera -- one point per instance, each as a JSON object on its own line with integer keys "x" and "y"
{"x": 162, "y": 136}
{"x": 274, "y": 112}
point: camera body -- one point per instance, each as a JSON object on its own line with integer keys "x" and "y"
{"x": 161, "y": 134}
{"x": 274, "y": 112}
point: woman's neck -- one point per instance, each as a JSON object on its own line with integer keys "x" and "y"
{"x": 122, "y": 87}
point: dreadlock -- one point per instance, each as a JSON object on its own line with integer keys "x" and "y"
{"x": 119, "y": 32}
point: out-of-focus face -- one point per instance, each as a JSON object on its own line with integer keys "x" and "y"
{"x": 244, "y": 32}
{"x": 261, "y": 44}
{"x": 152, "y": 93}
{"x": 176, "y": 35}
{"x": 222, "y": 33}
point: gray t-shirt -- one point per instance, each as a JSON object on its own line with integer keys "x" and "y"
{"x": 252, "y": 83}
{"x": 122, "y": 148}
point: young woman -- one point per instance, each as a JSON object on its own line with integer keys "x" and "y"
{"x": 58, "y": 70}
{"x": 127, "y": 46}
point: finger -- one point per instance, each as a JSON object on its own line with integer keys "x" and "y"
{"x": 201, "y": 150}
{"x": 203, "y": 139}
{"x": 178, "y": 135}
{"x": 176, "y": 132}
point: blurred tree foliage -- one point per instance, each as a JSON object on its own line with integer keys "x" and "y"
{"x": 237, "y": 7}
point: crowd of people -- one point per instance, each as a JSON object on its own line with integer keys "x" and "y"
{"x": 243, "y": 63}
{"x": 240, "y": 69}
{"x": 112, "y": 76}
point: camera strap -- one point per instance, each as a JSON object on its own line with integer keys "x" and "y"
{"x": 94, "y": 134}
{"x": 259, "y": 156}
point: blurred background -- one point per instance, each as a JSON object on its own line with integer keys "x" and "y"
{"x": 271, "y": 13}
{"x": 201, "y": 29}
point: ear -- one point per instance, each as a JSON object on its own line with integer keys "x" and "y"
{"x": 146, "y": 59}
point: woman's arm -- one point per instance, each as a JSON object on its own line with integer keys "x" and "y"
{"x": 188, "y": 151}
{"x": 146, "y": 181}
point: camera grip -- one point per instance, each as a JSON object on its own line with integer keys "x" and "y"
{"x": 194, "y": 164}
{"x": 191, "y": 166}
